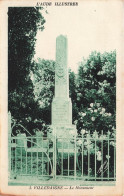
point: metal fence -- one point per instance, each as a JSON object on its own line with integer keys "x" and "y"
{"x": 87, "y": 157}
{"x": 31, "y": 156}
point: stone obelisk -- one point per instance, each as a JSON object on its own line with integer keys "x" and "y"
{"x": 61, "y": 104}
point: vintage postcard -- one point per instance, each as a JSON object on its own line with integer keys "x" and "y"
{"x": 61, "y": 93}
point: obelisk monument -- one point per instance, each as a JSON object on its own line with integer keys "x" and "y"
{"x": 61, "y": 104}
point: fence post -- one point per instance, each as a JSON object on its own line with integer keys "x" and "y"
{"x": 114, "y": 157}
{"x": 108, "y": 153}
{"x": 95, "y": 153}
{"x": 102, "y": 154}
{"x": 75, "y": 157}
{"x": 9, "y": 143}
{"x": 88, "y": 141}
{"x": 54, "y": 153}
{"x": 82, "y": 155}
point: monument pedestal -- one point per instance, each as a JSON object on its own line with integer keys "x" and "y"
{"x": 62, "y": 118}
{"x": 63, "y": 131}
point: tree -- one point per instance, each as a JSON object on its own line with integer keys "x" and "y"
{"x": 23, "y": 23}
{"x": 73, "y": 94}
{"x": 96, "y": 92}
{"x": 43, "y": 77}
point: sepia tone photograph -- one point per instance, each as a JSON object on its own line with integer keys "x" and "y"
{"x": 61, "y": 99}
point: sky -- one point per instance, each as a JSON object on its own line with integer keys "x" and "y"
{"x": 92, "y": 25}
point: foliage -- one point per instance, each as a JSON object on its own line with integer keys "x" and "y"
{"x": 43, "y": 77}
{"x": 23, "y": 23}
{"x": 96, "y": 92}
{"x": 73, "y": 94}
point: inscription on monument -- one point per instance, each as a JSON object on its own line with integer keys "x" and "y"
{"x": 60, "y": 113}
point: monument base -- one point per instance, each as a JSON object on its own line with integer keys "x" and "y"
{"x": 63, "y": 131}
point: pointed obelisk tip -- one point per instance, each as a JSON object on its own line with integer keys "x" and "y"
{"x": 62, "y": 37}
{"x": 9, "y": 113}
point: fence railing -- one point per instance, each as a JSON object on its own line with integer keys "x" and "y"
{"x": 85, "y": 157}
{"x": 31, "y": 156}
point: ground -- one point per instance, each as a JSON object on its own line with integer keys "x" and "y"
{"x": 27, "y": 181}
